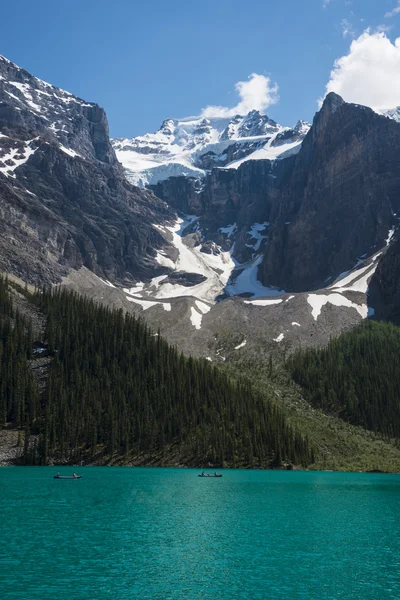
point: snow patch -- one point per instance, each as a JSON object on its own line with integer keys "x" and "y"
{"x": 390, "y": 236}
{"x": 228, "y": 230}
{"x": 255, "y": 234}
{"x": 279, "y": 338}
{"x": 263, "y": 302}
{"x": 357, "y": 280}
{"x": 347, "y": 280}
{"x": 26, "y": 153}
{"x": 135, "y": 290}
{"x": 146, "y": 304}
{"x": 164, "y": 261}
{"x": 215, "y": 268}
{"x": 269, "y": 152}
{"x": 241, "y": 345}
{"x": 69, "y": 151}
{"x": 317, "y": 301}
{"x": 204, "y": 308}
{"x": 195, "y": 318}
{"x": 247, "y": 281}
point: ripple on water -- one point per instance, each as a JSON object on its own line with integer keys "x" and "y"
{"x": 166, "y": 534}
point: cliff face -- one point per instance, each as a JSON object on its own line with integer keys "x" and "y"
{"x": 340, "y": 200}
{"x": 296, "y": 222}
{"x": 327, "y": 206}
{"x": 239, "y": 197}
{"x": 64, "y": 199}
{"x": 384, "y": 289}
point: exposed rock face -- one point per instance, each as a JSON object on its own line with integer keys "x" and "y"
{"x": 64, "y": 200}
{"x": 339, "y": 201}
{"x": 297, "y": 220}
{"x": 384, "y": 289}
{"x": 330, "y": 204}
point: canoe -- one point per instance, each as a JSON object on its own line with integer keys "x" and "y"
{"x": 67, "y": 477}
{"x": 219, "y": 475}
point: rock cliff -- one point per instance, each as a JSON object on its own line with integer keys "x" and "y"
{"x": 64, "y": 199}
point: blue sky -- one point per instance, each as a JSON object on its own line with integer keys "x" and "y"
{"x": 146, "y": 60}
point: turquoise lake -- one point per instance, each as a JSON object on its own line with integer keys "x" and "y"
{"x": 135, "y": 533}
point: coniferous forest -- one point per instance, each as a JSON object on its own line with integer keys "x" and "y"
{"x": 115, "y": 388}
{"x": 356, "y": 377}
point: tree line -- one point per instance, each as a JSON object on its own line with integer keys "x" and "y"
{"x": 356, "y": 377}
{"x": 115, "y": 388}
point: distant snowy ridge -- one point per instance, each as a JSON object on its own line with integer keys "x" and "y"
{"x": 392, "y": 113}
{"x": 56, "y": 114}
{"x": 192, "y": 146}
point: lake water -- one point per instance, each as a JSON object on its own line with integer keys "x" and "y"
{"x": 160, "y": 534}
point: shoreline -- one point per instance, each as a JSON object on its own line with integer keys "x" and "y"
{"x": 185, "y": 467}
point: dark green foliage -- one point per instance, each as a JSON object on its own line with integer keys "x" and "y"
{"x": 356, "y": 377}
{"x": 19, "y": 394}
{"x": 115, "y": 389}
{"x": 115, "y": 384}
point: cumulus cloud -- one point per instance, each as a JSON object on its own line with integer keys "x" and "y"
{"x": 369, "y": 73}
{"x": 258, "y": 93}
{"x": 393, "y": 12}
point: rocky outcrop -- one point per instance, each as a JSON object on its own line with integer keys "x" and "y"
{"x": 384, "y": 289}
{"x": 327, "y": 206}
{"x": 227, "y": 196}
{"x": 64, "y": 199}
{"x": 339, "y": 201}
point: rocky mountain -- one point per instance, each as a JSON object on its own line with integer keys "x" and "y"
{"x": 191, "y": 147}
{"x": 339, "y": 200}
{"x": 319, "y": 223}
{"x": 248, "y": 237}
{"x": 64, "y": 199}
{"x": 332, "y": 204}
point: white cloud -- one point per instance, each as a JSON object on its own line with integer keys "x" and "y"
{"x": 258, "y": 93}
{"x": 393, "y": 12}
{"x": 369, "y": 73}
{"x": 326, "y": 2}
{"x": 347, "y": 28}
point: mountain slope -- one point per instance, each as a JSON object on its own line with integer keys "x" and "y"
{"x": 340, "y": 199}
{"x": 355, "y": 377}
{"x": 250, "y": 233}
{"x": 118, "y": 393}
{"x": 63, "y": 197}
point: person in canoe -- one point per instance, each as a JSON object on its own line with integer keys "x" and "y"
{"x": 75, "y": 476}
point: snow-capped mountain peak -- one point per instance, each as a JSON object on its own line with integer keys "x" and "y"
{"x": 193, "y": 145}
{"x": 392, "y": 113}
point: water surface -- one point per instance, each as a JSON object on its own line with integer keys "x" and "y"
{"x": 160, "y": 534}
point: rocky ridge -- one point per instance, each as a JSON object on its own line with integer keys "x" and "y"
{"x": 64, "y": 200}
{"x": 252, "y": 263}
{"x": 193, "y": 146}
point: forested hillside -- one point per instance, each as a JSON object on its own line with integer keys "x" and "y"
{"x": 19, "y": 393}
{"x": 116, "y": 389}
{"x": 356, "y": 377}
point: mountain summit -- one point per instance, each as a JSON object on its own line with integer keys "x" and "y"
{"x": 64, "y": 199}
{"x": 194, "y": 145}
